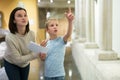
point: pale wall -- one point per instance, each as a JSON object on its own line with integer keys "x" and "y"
{"x": 116, "y": 26}
{"x": 6, "y": 6}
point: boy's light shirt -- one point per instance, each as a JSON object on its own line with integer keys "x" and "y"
{"x": 54, "y": 63}
{"x": 37, "y": 48}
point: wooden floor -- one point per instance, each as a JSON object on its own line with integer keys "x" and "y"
{"x": 70, "y": 68}
{"x": 34, "y": 70}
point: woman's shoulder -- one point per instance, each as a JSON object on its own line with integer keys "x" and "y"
{"x": 10, "y": 37}
{"x": 31, "y": 32}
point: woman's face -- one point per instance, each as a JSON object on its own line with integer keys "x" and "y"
{"x": 21, "y": 18}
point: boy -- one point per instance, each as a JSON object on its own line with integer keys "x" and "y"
{"x": 54, "y": 61}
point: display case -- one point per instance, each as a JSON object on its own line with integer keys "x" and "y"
{"x": 2, "y": 39}
{"x": 3, "y": 33}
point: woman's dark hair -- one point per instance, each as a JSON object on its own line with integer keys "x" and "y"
{"x": 12, "y": 25}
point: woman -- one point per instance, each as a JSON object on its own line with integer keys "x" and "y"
{"x": 17, "y": 55}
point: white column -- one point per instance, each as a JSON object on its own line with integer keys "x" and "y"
{"x": 80, "y": 20}
{"x": 90, "y": 25}
{"x": 106, "y": 52}
{"x": 77, "y": 26}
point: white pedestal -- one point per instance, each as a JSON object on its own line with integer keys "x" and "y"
{"x": 108, "y": 55}
{"x": 90, "y": 45}
{"x": 91, "y": 68}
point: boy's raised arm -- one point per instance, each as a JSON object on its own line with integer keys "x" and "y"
{"x": 70, "y": 18}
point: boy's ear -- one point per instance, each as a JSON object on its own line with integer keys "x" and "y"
{"x": 46, "y": 29}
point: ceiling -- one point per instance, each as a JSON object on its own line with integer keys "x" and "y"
{"x": 56, "y": 4}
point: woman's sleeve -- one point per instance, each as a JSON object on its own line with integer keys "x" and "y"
{"x": 15, "y": 55}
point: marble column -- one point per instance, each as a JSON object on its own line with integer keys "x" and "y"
{"x": 90, "y": 24}
{"x": 80, "y": 20}
{"x": 106, "y": 52}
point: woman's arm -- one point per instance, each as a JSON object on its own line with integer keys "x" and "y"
{"x": 15, "y": 55}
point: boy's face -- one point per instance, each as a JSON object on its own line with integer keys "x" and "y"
{"x": 52, "y": 27}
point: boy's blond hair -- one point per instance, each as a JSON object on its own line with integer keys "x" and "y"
{"x": 49, "y": 20}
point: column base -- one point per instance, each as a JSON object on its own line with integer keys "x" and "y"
{"x": 81, "y": 40}
{"x": 107, "y": 55}
{"x": 90, "y": 45}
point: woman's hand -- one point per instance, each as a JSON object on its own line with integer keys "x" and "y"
{"x": 43, "y": 43}
{"x": 42, "y": 56}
